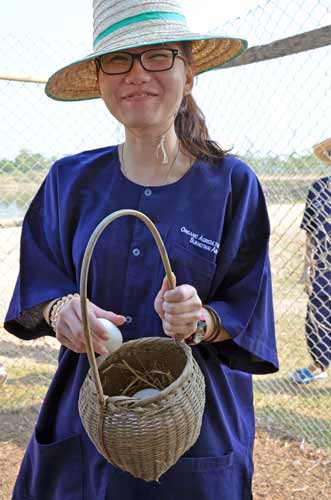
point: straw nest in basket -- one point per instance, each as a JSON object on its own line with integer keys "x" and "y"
{"x": 145, "y": 437}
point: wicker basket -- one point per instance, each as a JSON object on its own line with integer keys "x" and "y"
{"x": 143, "y": 437}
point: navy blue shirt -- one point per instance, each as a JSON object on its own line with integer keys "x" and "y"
{"x": 215, "y": 227}
{"x": 317, "y": 220}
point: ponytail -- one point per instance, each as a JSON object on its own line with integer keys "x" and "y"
{"x": 191, "y": 128}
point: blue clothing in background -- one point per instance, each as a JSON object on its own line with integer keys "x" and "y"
{"x": 215, "y": 227}
{"x": 317, "y": 223}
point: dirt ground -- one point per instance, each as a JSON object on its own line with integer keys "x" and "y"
{"x": 284, "y": 470}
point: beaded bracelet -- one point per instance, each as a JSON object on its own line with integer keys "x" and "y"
{"x": 50, "y": 311}
{"x": 57, "y": 306}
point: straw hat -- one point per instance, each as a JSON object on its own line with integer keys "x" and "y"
{"x": 322, "y": 151}
{"x": 124, "y": 24}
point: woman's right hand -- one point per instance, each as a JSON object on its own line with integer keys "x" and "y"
{"x": 69, "y": 326}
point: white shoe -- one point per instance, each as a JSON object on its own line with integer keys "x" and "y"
{"x": 3, "y": 375}
{"x": 305, "y": 376}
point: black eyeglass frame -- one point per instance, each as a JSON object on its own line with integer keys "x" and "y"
{"x": 138, "y": 55}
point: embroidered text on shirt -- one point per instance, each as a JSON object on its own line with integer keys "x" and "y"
{"x": 201, "y": 241}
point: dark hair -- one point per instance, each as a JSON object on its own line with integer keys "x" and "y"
{"x": 190, "y": 125}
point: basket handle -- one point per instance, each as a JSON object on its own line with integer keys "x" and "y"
{"x": 84, "y": 275}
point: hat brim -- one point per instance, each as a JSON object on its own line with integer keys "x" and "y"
{"x": 322, "y": 151}
{"x": 78, "y": 81}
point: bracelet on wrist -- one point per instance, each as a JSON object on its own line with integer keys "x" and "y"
{"x": 217, "y": 325}
{"x": 200, "y": 333}
{"x": 57, "y": 306}
{"x": 50, "y": 312}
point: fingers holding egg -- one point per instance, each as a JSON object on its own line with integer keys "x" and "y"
{"x": 114, "y": 339}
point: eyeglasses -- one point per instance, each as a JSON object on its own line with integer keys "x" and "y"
{"x": 119, "y": 63}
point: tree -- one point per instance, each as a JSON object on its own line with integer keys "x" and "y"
{"x": 26, "y": 162}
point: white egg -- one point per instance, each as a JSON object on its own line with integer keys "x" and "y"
{"x": 146, "y": 393}
{"x": 115, "y": 338}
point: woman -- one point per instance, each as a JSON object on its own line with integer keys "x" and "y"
{"x": 316, "y": 223}
{"x": 211, "y": 213}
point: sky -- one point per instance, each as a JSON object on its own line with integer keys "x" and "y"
{"x": 282, "y": 106}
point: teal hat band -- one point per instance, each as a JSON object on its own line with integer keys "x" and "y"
{"x": 148, "y": 16}
{"x": 119, "y": 25}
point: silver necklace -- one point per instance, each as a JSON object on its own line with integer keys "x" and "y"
{"x": 164, "y": 182}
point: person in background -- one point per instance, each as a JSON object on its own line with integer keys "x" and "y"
{"x": 317, "y": 273}
{"x": 210, "y": 211}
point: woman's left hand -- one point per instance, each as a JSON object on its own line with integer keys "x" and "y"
{"x": 179, "y": 309}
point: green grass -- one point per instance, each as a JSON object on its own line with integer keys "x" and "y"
{"x": 295, "y": 424}
{"x": 26, "y": 385}
{"x": 302, "y": 412}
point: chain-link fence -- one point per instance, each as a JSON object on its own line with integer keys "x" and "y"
{"x": 270, "y": 113}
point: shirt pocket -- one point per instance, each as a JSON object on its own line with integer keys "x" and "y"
{"x": 204, "y": 478}
{"x": 192, "y": 269}
{"x": 53, "y": 470}
{"x": 204, "y": 464}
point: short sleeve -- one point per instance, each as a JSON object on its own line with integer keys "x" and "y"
{"x": 45, "y": 269}
{"x": 242, "y": 289}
